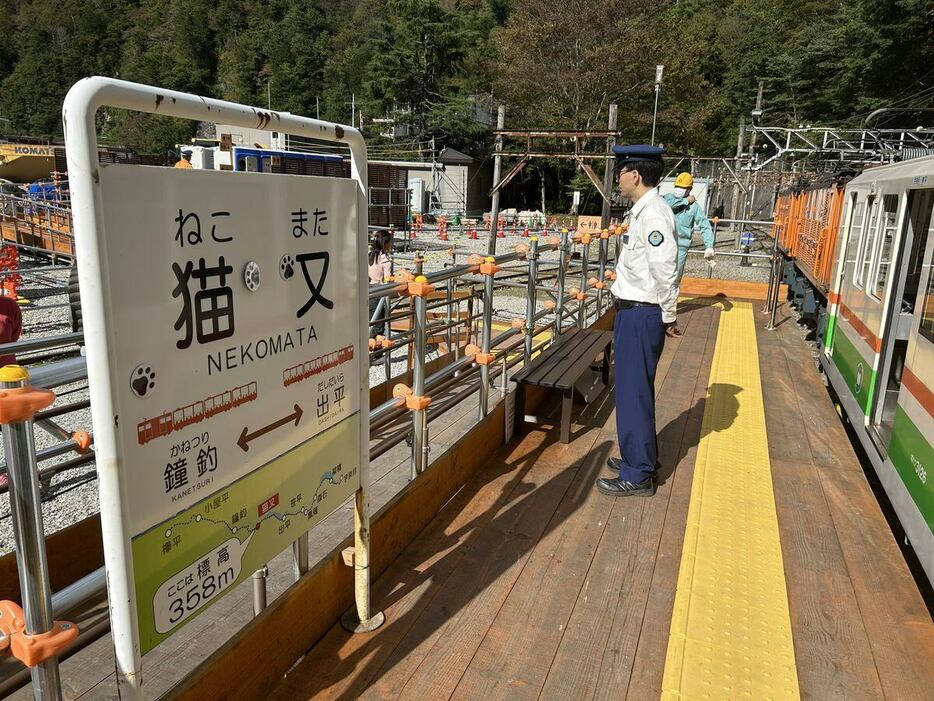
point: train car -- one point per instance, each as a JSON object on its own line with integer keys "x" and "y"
{"x": 878, "y": 351}
{"x": 807, "y": 219}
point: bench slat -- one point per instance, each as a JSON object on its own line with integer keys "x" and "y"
{"x": 569, "y": 348}
{"x": 550, "y": 355}
{"x": 583, "y": 361}
{"x": 566, "y": 373}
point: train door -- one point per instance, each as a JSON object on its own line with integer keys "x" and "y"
{"x": 904, "y": 263}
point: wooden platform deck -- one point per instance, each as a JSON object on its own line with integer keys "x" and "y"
{"x": 529, "y": 584}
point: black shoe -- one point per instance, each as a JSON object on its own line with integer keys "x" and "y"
{"x": 614, "y": 464}
{"x": 624, "y": 488}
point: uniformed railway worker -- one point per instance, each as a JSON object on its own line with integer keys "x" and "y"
{"x": 645, "y": 295}
{"x": 688, "y": 215}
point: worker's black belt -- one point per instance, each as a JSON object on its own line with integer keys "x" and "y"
{"x": 629, "y": 304}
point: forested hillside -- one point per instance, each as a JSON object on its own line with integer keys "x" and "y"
{"x": 555, "y": 63}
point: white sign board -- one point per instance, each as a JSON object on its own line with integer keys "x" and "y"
{"x": 234, "y": 350}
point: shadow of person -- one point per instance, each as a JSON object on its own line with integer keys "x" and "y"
{"x": 717, "y": 300}
{"x": 686, "y": 430}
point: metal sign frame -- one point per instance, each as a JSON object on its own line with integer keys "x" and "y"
{"x": 79, "y": 113}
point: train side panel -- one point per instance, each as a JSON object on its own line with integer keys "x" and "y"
{"x": 879, "y": 350}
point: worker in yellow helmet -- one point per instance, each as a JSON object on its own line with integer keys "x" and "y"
{"x": 688, "y": 215}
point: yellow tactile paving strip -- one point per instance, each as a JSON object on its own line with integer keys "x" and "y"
{"x": 730, "y": 632}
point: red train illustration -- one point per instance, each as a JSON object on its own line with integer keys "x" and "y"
{"x": 170, "y": 421}
{"x": 309, "y": 368}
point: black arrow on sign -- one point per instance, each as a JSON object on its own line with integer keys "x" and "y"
{"x": 246, "y": 437}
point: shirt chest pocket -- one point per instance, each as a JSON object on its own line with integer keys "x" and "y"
{"x": 630, "y": 250}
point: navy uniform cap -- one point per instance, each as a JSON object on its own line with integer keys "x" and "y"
{"x": 638, "y": 152}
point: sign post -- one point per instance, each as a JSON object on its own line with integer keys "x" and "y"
{"x": 228, "y": 392}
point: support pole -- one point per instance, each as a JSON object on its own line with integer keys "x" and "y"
{"x": 608, "y": 169}
{"x": 559, "y": 296}
{"x": 582, "y": 304}
{"x": 776, "y": 287}
{"x": 300, "y": 555}
{"x": 259, "y": 590}
{"x": 601, "y": 267}
{"x": 531, "y": 297}
{"x": 497, "y": 170}
{"x": 485, "y": 343}
{"x": 419, "y": 444}
{"x": 29, "y": 536}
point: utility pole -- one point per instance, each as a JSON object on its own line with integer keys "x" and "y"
{"x": 750, "y": 190}
{"x": 659, "y": 70}
{"x": 497, "y": 171}
{"x": 608, "y": 170}
{"x": 740, "y": 140}
{"x": 353, "y": 107}
{"x": 269, "y": 94}
{"x": 317, "y": 108}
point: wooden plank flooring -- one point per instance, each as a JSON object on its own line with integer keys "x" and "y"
{"x": 531, "y": 585}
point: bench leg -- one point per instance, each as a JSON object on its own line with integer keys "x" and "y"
{"x": 567, "y": 404}
{"x": 605, "y": 371}
{"x": 519, "y": 422}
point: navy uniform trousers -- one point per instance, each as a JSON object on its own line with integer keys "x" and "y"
{"x": 639, "y": 337}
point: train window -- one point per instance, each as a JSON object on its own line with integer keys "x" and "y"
{"x": 884, "y": 241}
{"x": 866, "y": 245}
{"x": 926, "y": 328}
{"x": 855, "y": 245}
{"x": 927, "y": 314}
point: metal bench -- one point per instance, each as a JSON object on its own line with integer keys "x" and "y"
{"x": 561, "y": 367}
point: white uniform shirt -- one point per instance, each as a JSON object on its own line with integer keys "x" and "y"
{"x": 647, "y": 268}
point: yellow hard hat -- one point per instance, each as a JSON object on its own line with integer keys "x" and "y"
{"x": 684, "y": 180}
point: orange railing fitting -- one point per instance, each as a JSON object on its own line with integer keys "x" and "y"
{"x": 489, "y": 266}
{"x": 21, "y": 403}
{"x": 479, "y": 357}
{"x": 83, "y": 441}
{"x": 32, "y": 650}
{"x": 410, "y": 400}
{"x": 419, "y": 287}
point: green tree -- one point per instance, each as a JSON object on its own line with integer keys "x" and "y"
{"x": 56, "y": 43}
{"x": 168, "y": 43}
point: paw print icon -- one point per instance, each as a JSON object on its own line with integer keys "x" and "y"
{"x": 143, "y": 380}
{"x": 286, "y": 267}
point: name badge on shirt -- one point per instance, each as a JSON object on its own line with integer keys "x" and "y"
{"x": 625, "y": 239}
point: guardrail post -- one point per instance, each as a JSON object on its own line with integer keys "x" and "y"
{"x": 773, "y": 274}
{"x": 28, "y": 532}
{"x": 300, "y": 555}
{"x": 601, "y": 266}
{"x": 419, "y": 423}
{"x": 582, "y": 303}
{"x": 559, "y": 296}
{"x": 259, "y": 589}
{"x": 486, "y": 337}
{"x": 774, "y": 295}
{"x": 532, "y": 297}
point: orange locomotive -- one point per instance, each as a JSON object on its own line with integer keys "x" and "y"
{"x": 807, "y": 218}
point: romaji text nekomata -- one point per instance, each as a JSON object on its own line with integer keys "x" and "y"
{"x": 259, "y": 349}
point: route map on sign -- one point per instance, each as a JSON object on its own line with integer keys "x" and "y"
{"x": 236, "y": 381}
